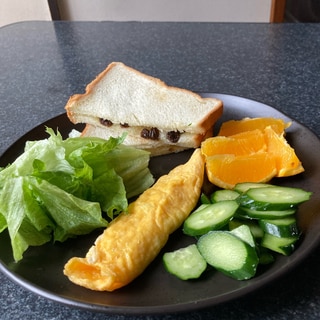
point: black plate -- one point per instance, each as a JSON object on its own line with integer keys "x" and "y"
{"x": 155, "y": 291}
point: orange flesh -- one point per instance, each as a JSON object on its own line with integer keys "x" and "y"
{"x": 243, "y": 143}
{"x": 232, "y": 127}
{"x": 287, "y": 162}
{"x": 225, "y": 171}
{"x": 257, "y": 154}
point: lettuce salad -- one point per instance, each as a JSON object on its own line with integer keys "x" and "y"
{"x": 59, "y": 188}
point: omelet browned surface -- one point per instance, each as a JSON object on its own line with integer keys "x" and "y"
{"x": 134, "y": 239}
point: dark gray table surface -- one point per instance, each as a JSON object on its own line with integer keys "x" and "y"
{"x": 43, "y": 63}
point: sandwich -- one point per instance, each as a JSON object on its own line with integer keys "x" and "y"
{"x": 154, "y": 116}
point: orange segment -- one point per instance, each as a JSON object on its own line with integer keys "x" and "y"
{"x": 250, "y": 150}
{"x": 232, "y": 127}
{"x": 226, "y": 170}
{"x": 243, "y": 143}
{"x": 287, "y": 162}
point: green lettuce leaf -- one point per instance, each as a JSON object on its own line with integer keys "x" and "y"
{"x": 26, "y": 222}
{"x": 72, "y": 215}
{"x": 59, "y": 188}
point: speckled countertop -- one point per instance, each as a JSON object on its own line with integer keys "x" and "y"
{"x": 43, "y": 63}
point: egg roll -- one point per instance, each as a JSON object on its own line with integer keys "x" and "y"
{"x": 134, "y": 238}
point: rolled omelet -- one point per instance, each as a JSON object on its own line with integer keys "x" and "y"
{"x": 133, "y": 239}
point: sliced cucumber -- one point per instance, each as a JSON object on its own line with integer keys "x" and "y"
{"x": 285, "y": 228}
{"x": 201, "y": 207}
{"x": 255, "y": 229}
{"x": 264, "y": 214}
{"x": 221, "y": 195}
{"x": 239, "y": 229}
{"x": 229, "y": 254}
{"x": 245, "y": 186}
{"x": 244, "y": 233}
{"x": 282, "y": 245}
{"x": 211, "y": 217}
{"x": 185, "y": 263}
{"x": 275, "y": 198}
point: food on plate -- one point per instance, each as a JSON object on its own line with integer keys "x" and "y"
{"x": 156, "y": 117}
{"x": 185, "y": 263}
{"x": 287, "y": 162}
{"x": 240, "y": 144}
{"x": 135, "y": 238}
{"x": 231, "y": 252}
{"x": 256, "y": 155}
{"x": 57, "y": 189}
{"x": 232, "y": 127}
{"x": 226, "y": 170}
{"x": 236, "y": 230}
{"x": 156, "y": 146}
{"x": 209, "y": 217}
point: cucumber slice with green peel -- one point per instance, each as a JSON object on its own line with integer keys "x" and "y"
{"x": 229, "y": 254}
{"x": 255, "y": 229}
{"x": 264, "y": 214}
{"x": 285, "y": 228}
{"x": 221, "y": 195}
{"x": 275, "y": 198}
{"x": 185, "y": 263}
{"x": 211, "y": 217}
{"x": 244, "y": 233}
{"x": 284, "y": 246}
{"x": 202, "y": 206}
{"x": 245, "y": 186}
